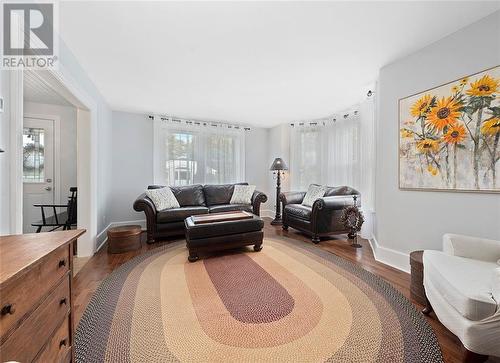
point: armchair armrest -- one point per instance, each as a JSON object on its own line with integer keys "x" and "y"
{"x": 257, "y": 199}
{"x": 334, "y": 202}
{"x": 292, "y": 197}
{"x": 471, "y": 247}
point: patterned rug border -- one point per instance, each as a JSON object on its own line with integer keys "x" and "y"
{"x": 106, "y": 296}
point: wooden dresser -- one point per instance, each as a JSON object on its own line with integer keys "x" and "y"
{"x": 36, "y": 319}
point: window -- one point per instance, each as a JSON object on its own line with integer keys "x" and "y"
{"x": 191, "y": 154}
{"x": 33, "y": 155}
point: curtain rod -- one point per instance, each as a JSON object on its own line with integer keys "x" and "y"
{"x": 323, "y": 121}
{"x": 201, "y": 123}
{"x": 370, "y": 93}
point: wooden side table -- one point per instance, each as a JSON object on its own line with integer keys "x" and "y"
{"x": 124, "y": 238}
{"x": 417, "y": 291}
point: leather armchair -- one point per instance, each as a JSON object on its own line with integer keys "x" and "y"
{"x": 193, "y": 200}
{"x": 323, "y": 218}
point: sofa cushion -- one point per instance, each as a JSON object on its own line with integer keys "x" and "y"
{"x": 298, "y": 211}
{"x": 314, "y": 192}
{"x": 219, "y": 193}
{"x": 464, "y": 283}
{"x": 179, "y": 214}
{"x": 162, "y": 198}
{"x": 229, "y": 207}
{"x": 189, "y": 195}
{"x": 242, "y": 194}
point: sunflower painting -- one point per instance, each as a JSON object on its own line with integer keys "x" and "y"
{"x": 450, "y": 136}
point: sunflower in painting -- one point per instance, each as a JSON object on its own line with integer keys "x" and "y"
{"x": 434, "y": 171}
{"x": 455, "y": 134}
{"x": 426, "y": 146}
{"x": 446, "y": 112}
{"x": 485, "y": 86}
{"x": 406, "y": 134}
{"x": 421, "y": 107}
{"x": 491, "y": 126}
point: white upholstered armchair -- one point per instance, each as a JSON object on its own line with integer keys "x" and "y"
{"x": 462, "y": 285}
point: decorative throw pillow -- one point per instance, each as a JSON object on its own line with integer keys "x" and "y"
{"x": 314, "y": 192}
{"x": 163, "y": 198}
{"x": 242, "y": 194}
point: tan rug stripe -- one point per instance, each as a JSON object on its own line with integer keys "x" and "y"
{"x": 365, "y": 336}
{"x": 219, "y": 324}
{"x": 391, "y": 329}
{"x": 119, "y": 333}
{"x": 147, "y": 343}
{"x": 186, "y": 339}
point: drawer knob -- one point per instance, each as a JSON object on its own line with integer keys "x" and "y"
{"x": 62, "y": 343}
{"x": 62, "y": 263}
{"x": 63, "y": 301}
{"x": 7, "y": 309}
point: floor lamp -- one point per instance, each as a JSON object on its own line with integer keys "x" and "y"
{"x": 278, "y": 168}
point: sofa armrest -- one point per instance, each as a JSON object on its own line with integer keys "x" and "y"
{"x": 471, "y": 247}
{"x": 292, "y": 198}
{"x": 144, "y": 204}
{"x": 257, "y": 199}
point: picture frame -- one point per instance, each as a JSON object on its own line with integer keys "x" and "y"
{"x": 449, "y": 136}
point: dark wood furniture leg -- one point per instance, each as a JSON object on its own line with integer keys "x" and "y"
{"x": 428, "y": 307}
{"x": 315, "y": 239}
{"x": 193, "y": 257}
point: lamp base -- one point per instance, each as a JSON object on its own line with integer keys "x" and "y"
{"x": 277, "y": 222}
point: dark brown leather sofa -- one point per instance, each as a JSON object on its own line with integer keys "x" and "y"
{"x": 323, "y": 218}
{"x": 193, "y": 200}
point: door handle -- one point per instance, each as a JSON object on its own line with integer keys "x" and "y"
{"x": 48, "y": 189}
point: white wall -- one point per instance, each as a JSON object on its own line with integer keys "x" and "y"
{"x": 411, "y": 220}
{"x": 67, "y": 136}
{"x": 4, "y": 157}
{"x": 132, "y": 162}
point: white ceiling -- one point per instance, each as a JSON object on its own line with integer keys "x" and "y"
{"x": 36, "y": 90}
{"x": 259, "y": 63}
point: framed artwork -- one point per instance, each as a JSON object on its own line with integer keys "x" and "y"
{"x": 449, "y": 136}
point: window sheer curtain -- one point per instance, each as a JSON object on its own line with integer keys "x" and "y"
{"x": 340, "y": 152}
{"x": 197, "y": 152}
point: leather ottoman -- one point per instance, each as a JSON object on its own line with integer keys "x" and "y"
{"x": 222, "y": 235}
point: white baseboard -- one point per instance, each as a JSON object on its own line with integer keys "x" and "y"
{"x": 103, "y": 236}
{"x": 388, "y": 256}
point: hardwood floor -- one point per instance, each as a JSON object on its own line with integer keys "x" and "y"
{"x": 102, "y": 264}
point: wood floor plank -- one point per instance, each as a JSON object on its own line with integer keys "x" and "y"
{"x": 102, "y": 264}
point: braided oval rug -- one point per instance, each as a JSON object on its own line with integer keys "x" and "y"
{"x": 291, "y": 302}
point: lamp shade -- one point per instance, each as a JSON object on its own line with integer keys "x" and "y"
{"x": 278, "y": 164}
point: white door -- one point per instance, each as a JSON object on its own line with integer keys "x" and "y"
{"x": 38, "y": 169}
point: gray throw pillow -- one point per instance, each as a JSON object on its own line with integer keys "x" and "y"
{"x": 242, "y": 194}
{"x": 163, "y": 198}
{"x": 314, "y": 192}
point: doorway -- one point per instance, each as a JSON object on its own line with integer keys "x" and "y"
{"x": 38, "y": 169}
{"x": 49, "y": 157}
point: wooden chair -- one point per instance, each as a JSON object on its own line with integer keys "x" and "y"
{"x": 65, "y": 219}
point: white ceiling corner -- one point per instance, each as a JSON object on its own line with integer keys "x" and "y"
{"x": 258, "y": 63}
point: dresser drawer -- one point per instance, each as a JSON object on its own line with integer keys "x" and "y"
{"x": 26, "y": 341}
{"x": 58, "y": 346}
{"x": 19, "y": 296}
